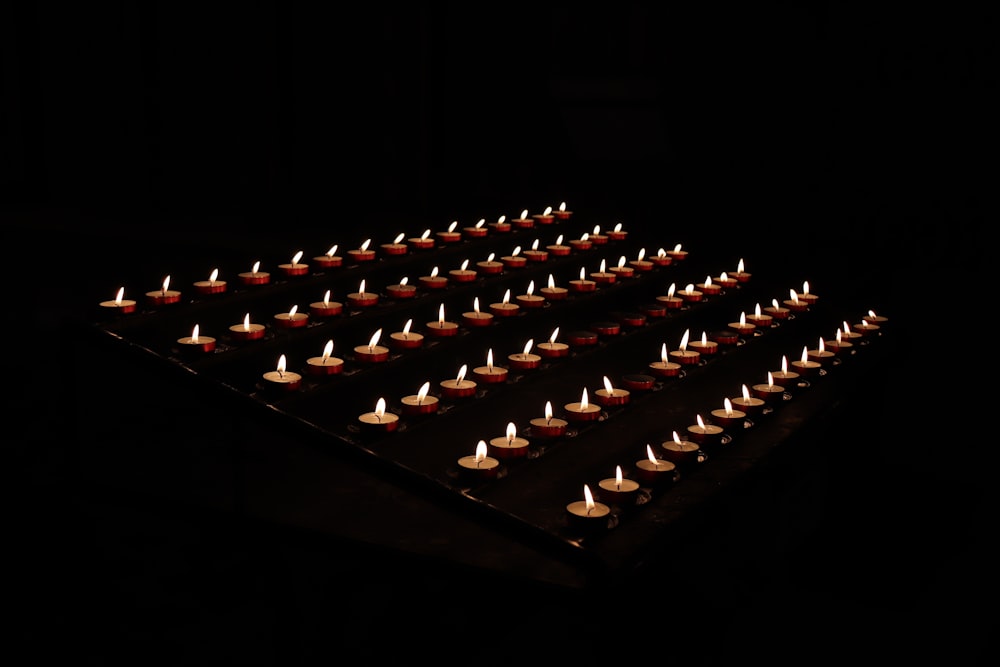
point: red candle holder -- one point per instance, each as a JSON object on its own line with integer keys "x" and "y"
{"x": 581, "y": 244}
{"x": 331, "y": 260}
{"x": 247, "y": 331}
{"x": 638, "y": 382}
{"x": 401, "y": 291}
{"x": 476, "y": 232}
{"x": 606, "y": 328}
{"x": 489, "y": 267}
{"x": 458, "y": 388}
{"x": 291, "y": 320}
{"x": 524, "y": 361}
{"x": 582, "y": 338}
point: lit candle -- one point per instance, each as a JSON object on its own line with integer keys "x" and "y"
{"x": 545, "y": 217}
{"x": 475, "y": 317}
{"x": 441, "y": 328}
{"x": 678, "y": 254}
{"x": 406, "y": 339}
{"x": 551, "y": 349}
{"x": 866, "y": 328}
{"x": 561, "y": 213}
{"x": 326, "y": 363}
{"x": 423, "y": 242}
{"x": 610, "y": 395}
{"x": 326, "y": 307}
{"x": 420, "y": 403}
{"x": 661, "y": 258}
{"x": 640, "y": 263}
{"x": 479, "y": 466}
{"x": 587, "y": 515}
{"x": 617, "y": 234}
{"x": 211, "y": 286}
{"x": 490, "y": 266}
{"x": 794, "y": 303}
{"x": 533, "y": 254}
{"x": 510, "y": 446}
{"x": 501, "y": 226}
{"x": 582, "y": 284}
{"x": 770, "y": 392}
{"x": 597, "y": 238}
{"x": 280, "y": 379}
{"x": 618, "y": 489}
{"x": 523, "y": 221}
{"x": 552, "y": 292}
{"x": 458, "y": 387}
{"x": 582, "y": 243}
{"x": 372, "y": 352}
{"x": 362, "y": 298}
{"x": 582, "y": 411}
{"x": 748, "y": 403}
{"x": 705, "y": 346}
{"x": 759, "y": 318}
{"x": 490, "y": 374}
{"x": 463, "y": 274}
{"x": 785, "y": 377}
{"x": 402, "y": 289}
{"x": 622, "y": 271}
{"x": 120, "y": 305}
{"x": 664, "y": 367}
{"x": 450, "y": 235}
{"x": 740, "y": 273}
{"x": 682, "y": 452}
{"x": 708, "y": 287}
{"x": 515, "y": 259}
{"x": 820, "y": 354}
{"x": 704, "y": 433}
{"x": 330, "y": 259}
{"x": 653, "y": 470}
{"x": 690, "y": 294}
{"x": 529, "y": 299}
{"x": 683, "y": 355}
{"x": 295, "y": 267}
{"x": 362, "y": 253}
{"x": 582, "y": 338}
{"x": 433, "y": 281}
{"x": 558, "y": 249}
{"x": 525, "y": 360}
{"x": 849, "y": 335}
{"x": 397, "y": 247}
{"x": 807, "y": 296}
{"x": 505, "y": 308}
{"x": 548, "y": 426}
{"x": 603, "y": 276}
{"x": 379, "y": 421}
{"x": 477, "y": 231}
{"x": 670, "y": 300}
{"x": 255, "y": 276}
{"x": 806, "y": 366}
{"x": 292, "y": 319}
{"x": 247, "y": 330}
{"x": 777, "y": 311}
{"x": 875, "y": 318}
{"x": 840, "y": 343}
{"x": 727, "y": 415}
{"x": 163, "y": 296}
{"x": 743, "y": 327}
{"x": 196, "y": 342}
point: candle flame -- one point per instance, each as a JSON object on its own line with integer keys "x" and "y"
{"x": 489, "y": 360}
{"x": 677, "y": 248}
{"x": 475, "y": 305}
{"x": 604, "y": 266}
{"x": 506, "y": 297}
{"x": 214, "y": 276}
{"x": 784, "y": 363}
{"x": 704, "y": 338}
{"x": 739, "y": 266}
{"x": 332, "y": 251}
{"x": 441, "y": 314}
{"x": 652, "y": 457}
{"x": 618, "y": 227}
{"x": 548, "y": 411}
{"x": 480, "y": 452}
{"x": 516, "y": 251}
{"x": 770, "y": 379}
{"x": 597, "y": 230}
{"x": 327, "y": 350}
{"x": 583, "y": 273}
{"x": 559, "y": 240}
{"x": 297, "y": 257}
{"x": 166, "y": 283}
{"x": 246, "y": 322}
{"x": 671, "y": 290}
{"x": 689, "y": 288}
{"x": 326, "y": 298}
{"x": 465, "y": 264}
{"x": 821, "y": 345}
{"x": 374, "y": 339}
{"x": 491, "y": 257}
{"x": 793, "y": 295}
{"x": 684, "y": 340}
{"x": 434, "y": 272}
{"x": 805, "y": 354}
{"x": 531, "y": 288}
{"x": 757, "y": 310}
{"x": 701, "y": 422}
{"x": 461, "y": 374}
{"x": 847, "y": 327}
{"x": 872, "y": 314}
{"x": 585, "y": 236}
{"x": 552, "y": 282}
{"x": 527, "y": 346}
{"x": 728, "y": 407}
{"x": 511, "y": 432}
{"x": 452, "y": 226}
{"x": 805, "y": 287}
{"x": 746, "y": 393}
{"x": 663, "y": 353}
{"x": 524, "y": 214}
{"x": 292, "y": 311}
{"x": 775, "y": 304}
{"x": 403, "y": 280}
{"x": 282, "y": 364}
{"x": 642, "y": 254}
{"x": 364, "y": 246}
{"x": 482, "y": 221}
{"x": 194, "y": 334}
{"x": 425, "y": 235}
{"x": 406, "y": 327}
{"x": 661, "y": 253}
{"x": 584, "y": 403}
{"x": 121, "y": 294}
{"x": 547, "y": 211}
{"x": 708, "y": 281}
{"x": 555, "y": 334}
{"x": 562, "y": 207}
{"x": 621, "y": 261}
{"x": 534, "y": 244}
{"x": 361, "y": 289}
{"x": 618, "y": 476}
{"x": 588, "y": 498}
{"x": 399, "y": 237}
{"x": 608, "y": 387}
{"x": 256, "y": 267}
{"x": 677, "y": 438}
{"x": 723, "y": 276}
{"x": 840, "y": 336}
{"x": 743, "y": 318}
{"x": 422, "y": 392}
{"x": 380, "y": 408}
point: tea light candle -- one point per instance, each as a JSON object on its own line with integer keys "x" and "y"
{"x": 475, "y": 317}
{"x": 866, "y": 328}
{"x": 490, "y": 266}
{"x": 740, "y": 273}
{"x": 653, "y": 470}
{"x": 558, "y": 249}
{"x": 372, "y": 352}
{"x": 433, "y": 281}
{"x": 640, "y": 263}
{"x": 545, "y": 217}
{"x": 552, "y": 292}
{"x": 423, "y": 242}
{"x": 406, "y": 339}
{"x": 638, "y": 381}
{"x": 597, "y": 238}
{"x": 551, "y": 349}
{"x": 661, "y": 258}
{"x": 618, "y": 489}
{"x": 849, "y": 335}
{"x": 379, "y": 421}
{"x": 727, "y": 415}
{"x": 397, "y": 247}
{"x": 611, "y": 396}
{"x": 163, "y": 296}
{"x": 875, "y": 318}
{"x": 670, "y": 300}
{"x": 805, "y": 366}
{"x": 450, "y": 235}
{"x": 463, "y": 274}
{"x": 677, "y": 254}
{"x": 211, "y": 286}
{"x": 362, "y": 298}
{"x": 548, "y": 426}
{"x": 748, "y": 404}
{"x": 561, "y": 213}
{"x": 607, "y": 328}
{"x": 529, "y": 299}
{"x": 587, "y": 515}
{"x": 682, "y": 355}
{"x": 769, "y": 392}
{"x": 777, "y": 311}
{"x": 622, "y": 271}
{"x": 254, "y": 276}
{"x": 330, "y": 259}
{"x": 805, "y": 295}
{"x": 120, "y": 305}
{"x": 326, "y": 363}
{"x": 477, "y": 231}
{"x": 603, "y": 276}
{"x": 292, "y": 319}
{"x": 582, "y": 243}
{"x": 458, "y": 387}
{"x": 617, "y": 234}
{"x": 743, "y": 327}
{"x": 505, "y": 308}
{"x": 820, "y": 354}
{"x": 196, "y": 342}
{"x": 793, "y": 302}
{"x": 525, "y": 360}
{"x": 295, "y": 267}
{"x": 583, "y": 284}
{"x": 514, "y": 260}
{"x": 523, "y": 221}
{"x": 839, "y": 344}
{"x": 582, "y": 338}
{"x": 759, "y": 318}
{"x": 490, "y": 374}
{"x": 709, "y": 288}
{"x": 725, "y": 337}
{"x": 785, "y": 377}
{"x": 326, "y": 307}
{"x": 510, "y": 446}
{"x": 582, "y": 411}
{"x": 402, "y": 289}
{"x": 704, "y": 433}
{"x": 441, "y": 328}
{"x": 690, "y": 294}
{"x": 664, "y": 367}
{"x": 725, "y": 281}
{"x": 363, "y": 253}
{"x": 654, "y": 309}
{"x": 682, "y": 452}
{"x": 420, "y": 403}
{"x": 247, "y": 330}
{"x": 480, "y": 466}
{"x": 502, "y": 226}
{"x": 704, "y": 346}
{"x": 533, "y": 254}
{"x": 280, "y": 379}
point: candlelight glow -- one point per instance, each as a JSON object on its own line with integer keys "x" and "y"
{"x": 661, "y": 253}
{"x": 608, "y": 387}
{"x": 671, "y": 290}
{"x": 743, "y": 319}
{"x": 166, "y": 283}
{"x": 872, "y": 314}
{"x": 677, "y": 439}
{"x": 406, "y": 327}
{"x": 531, "y": 288}
{"x": 642, "y": 254}
{"x": 677, "y": 248}
{"x": 465, "y": 264}
{"x": 604, "y": 266}
{"x": 822, "y": 345}
{"x": 583, "y": 273}
{"x": 805, "y": 353}
{"x": 621, "y": 262}
{"x": 461, "y": 374}
{"x": 584, "y": 403}
{"x": 663, "y": 353}
{"x": 326, "y": 298}
{"x": 256, "y": 267}
{"x": 708, "y": 281}
{"x": 548, "y": 411}
{"x": 775, "y": 304}
{"x": 701, "y": 422}
{"x": 380, "y": 408}
{"x": 399, "y": 237}
{"x": 292, "y": 311}
{"x": 704, "y": 338}
{"x": 374, "y": 340}
{"x": 847, "y": 327}
{"x": 214, "y": 276}
{"x": 403, "y": 280}
{"x": 552, "y": 282}
{"x": 482, "y": 221}
{"x": 121, "y": 294}
{"x": 441, "y": 314}
{"x": 840, "y": 336}
{"x": 585, "y": 236}
{"x": 297, "y": 257}
{"x": 724, "y": 276}
{"x": 491, "y": 257}
{"x": 516, "y": 251}
{"x": 489, "y": 360}
{"x": 282, "y": 363}
{"x": 434, "y": 272}
{"x": 511, "y": 432}
{"x": 618, "y": 476}
{"x": 480, "y": 452}
{"x": 452, "y": 226}
{"x": 547, "y": 211}
{"x": 524, "y": 214}
{"x": 746, "y": 393}
{"x": 555, "y": 334}
{"x": 727, "y": 405}
{"x": 503, "y": 218}
{"x": 597, "y": 230}
{"x": 684, "y": 340}
{"x": 562, "y": 207}
{"x": 246, "y": 322}
{"x": 506, "y": 297}
{"x": 618, "y": 227}
{"x": 361, "y": 289}
{"x": 327, "y": 350}
{"x": 805, "y": 287}
{"x": 534, "y": 244}
{"x": 422, "y": 392}
{"x": 559, "y": 239}
{"x": 194, "y": 334}
{"x": 739, "y": 266}
{"x": 770, "y": 379}
{"x": 527, "y": 346}
{"x": 588, "y": 498}
{"x": 652, "y": 457}
{"x": 793, "y": 295}
{"x": 784, "y": 364}
{"x": 689, "y": 288}
{"x": 332, "y": 251}
{"x": 757, "y": 310}
{"x": 475, "y": 305}
{"x": 364, "y": 246}
{"x": 425, "y": 235}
